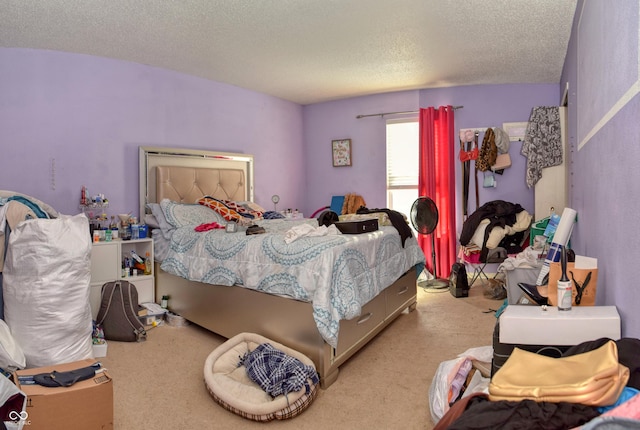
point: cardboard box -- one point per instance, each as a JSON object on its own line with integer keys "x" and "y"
{"x": 86, "y": 405}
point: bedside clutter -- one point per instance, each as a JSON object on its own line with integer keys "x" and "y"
{"x": 534, "y": 325}
{"x": 550, "y": 332}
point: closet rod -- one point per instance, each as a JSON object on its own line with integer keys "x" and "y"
{"x": 397, "y": 113}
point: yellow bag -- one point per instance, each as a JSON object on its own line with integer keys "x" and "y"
{"x": 593, "y": 378}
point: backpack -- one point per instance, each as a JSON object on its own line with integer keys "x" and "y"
{"x": 118, "y": 313}
{"x": 458, "y": 281}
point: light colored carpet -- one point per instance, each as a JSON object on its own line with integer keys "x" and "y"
{"x": 158, "y": 384}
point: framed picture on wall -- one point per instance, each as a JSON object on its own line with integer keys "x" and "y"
{"x": 341, "y": 151}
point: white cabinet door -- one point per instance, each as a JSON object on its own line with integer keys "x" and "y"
{"x": 105, "y": 262}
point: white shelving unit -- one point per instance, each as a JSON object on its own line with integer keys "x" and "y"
{"x": 106, "y": 266}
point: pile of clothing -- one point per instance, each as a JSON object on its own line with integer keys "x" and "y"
{"x": 496, "y": 229}
{"x": 593, "y": 382}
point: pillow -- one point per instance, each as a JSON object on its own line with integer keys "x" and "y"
{"x": 185, "y": 215}
{"x": 161, "y": 221}
{"x": 222, "y": 209}
{"x": 151, "y": 221}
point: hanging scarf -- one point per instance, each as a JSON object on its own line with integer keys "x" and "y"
{"x": 542, "y": 143}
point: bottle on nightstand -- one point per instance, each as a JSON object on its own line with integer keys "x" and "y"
{"x": 113, "y": 227}
{"x": 564, "y": 284}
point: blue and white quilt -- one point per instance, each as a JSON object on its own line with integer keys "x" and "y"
{"x": 338, "y": 274}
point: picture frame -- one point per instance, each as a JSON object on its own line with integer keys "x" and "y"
{"x": 341, "y": 152}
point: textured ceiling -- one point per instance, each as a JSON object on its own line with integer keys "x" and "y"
{"x": 309, "y": 51}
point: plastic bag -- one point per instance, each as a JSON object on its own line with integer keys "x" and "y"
{"x": 449, "y": 377}
{"x": 46, "y": 289}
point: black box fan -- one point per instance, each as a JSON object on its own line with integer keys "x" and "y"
{"x": 424, "y": 218}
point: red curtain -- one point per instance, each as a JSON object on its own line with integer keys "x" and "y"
{"x": 437, "y": 181}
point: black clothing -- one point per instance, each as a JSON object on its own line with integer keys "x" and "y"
{"x": 498, "y": 212}
{"x": 482, "y": 414}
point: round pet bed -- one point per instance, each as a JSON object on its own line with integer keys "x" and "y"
{"x": 232, "y": 388}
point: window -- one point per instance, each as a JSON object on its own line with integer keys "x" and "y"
{"x": 402, "y": 164}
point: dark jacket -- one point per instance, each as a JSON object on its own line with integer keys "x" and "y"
{"x": 498, "y": 212}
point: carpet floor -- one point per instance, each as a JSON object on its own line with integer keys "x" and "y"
{"x": 158, "y": 384}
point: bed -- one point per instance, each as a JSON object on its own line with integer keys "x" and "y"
{"x": 352, "y": 287}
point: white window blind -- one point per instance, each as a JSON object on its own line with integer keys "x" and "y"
{"x": 402, "y": 153}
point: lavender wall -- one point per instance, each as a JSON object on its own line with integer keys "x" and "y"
{"x": 484, "y": 106}
{"x": 86, "y": 116}
{"x": 602, "y": 71}
{"x": 324, "y": 122}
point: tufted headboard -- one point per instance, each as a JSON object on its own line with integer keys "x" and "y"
{"x": 187, "y": 184}
{"x": 186, "y": 175}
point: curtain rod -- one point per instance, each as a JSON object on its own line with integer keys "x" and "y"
{"x": 398, "y": 113}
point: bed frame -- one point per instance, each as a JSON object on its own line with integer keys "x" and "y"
{"x": 184, "y": 176}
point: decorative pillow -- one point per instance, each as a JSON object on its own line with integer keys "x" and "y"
{"x": 242, "y": 209}
{"x": 222, "y": 209}
{"x": 185, "y": 215}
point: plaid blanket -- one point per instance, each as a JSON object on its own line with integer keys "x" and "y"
{"x": 276, "y": 372}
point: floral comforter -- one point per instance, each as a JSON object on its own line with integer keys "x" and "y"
{"x": 338, "y": 274}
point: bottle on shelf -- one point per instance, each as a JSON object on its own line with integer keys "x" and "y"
{"x": 147, "y": 264}
{"x": 135, "y": 229}
{"x": 127, "y": 267}
{"x": 125, "y": 233}
{"x": 114, "y": 227}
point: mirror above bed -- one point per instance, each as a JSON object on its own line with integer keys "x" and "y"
{"x": 186, "y": 175}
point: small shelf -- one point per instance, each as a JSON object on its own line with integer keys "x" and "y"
{"x": 106, "y": 266}
{"x": 94, "y": 206}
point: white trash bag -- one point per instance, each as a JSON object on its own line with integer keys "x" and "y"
{"x": 46, "y": 289}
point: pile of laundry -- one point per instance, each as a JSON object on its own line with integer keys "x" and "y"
{"x": 591, "y": 383}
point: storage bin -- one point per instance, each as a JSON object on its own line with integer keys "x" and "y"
{"x": 537, "y": 229}
{"x": 99, "y": 349}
